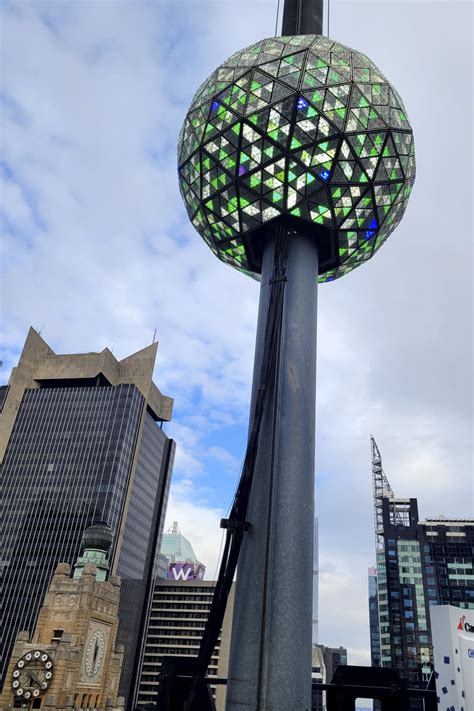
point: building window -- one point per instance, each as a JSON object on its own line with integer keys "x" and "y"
{"x": 57, "y": 635}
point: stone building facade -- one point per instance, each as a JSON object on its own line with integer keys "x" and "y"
{"x": 72, "y": 660}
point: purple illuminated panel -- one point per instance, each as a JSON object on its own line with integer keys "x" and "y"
{"x": 185, "y": 571}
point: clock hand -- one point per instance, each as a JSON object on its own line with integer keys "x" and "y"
{"x": 34, "y": 677}
{"x": 96, "y": 652}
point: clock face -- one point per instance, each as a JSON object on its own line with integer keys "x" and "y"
{"x": 32, "y": 674}
{"x": 94, "y": 655}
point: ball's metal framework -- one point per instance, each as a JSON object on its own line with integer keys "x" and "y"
{"x": 299, "y": 128}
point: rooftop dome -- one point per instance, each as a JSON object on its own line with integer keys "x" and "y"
{"x": 97, "y": 536}
{"x": 176, "y": 547}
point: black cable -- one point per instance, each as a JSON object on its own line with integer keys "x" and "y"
{"x": 282, "y": 248}
{"x": 238, "y": 513}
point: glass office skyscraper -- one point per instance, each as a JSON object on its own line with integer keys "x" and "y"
{"x": 81, "y": 441}
{"x": 374, "y": 618}
{"x": 419, "y": 564}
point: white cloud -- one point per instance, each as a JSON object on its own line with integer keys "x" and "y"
{"x": 185, "y": 463}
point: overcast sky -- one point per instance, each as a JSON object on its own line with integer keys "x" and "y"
{"x": 97, "y": 251}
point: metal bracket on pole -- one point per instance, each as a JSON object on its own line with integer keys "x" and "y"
{"x": 235, "y": 525}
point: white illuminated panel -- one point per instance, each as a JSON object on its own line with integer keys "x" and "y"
{"x": 453, "y": 648}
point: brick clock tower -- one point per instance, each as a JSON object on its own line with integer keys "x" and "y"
{"x": 72, "y": 660}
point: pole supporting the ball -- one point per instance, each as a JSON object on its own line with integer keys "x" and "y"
{"x": 270, "y": 661}
{"x": 302, "y": 17}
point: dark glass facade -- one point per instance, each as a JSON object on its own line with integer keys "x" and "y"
{"x": 422, "y": 563}
{"x": 3, "y": 395}
{"x": 72, "y": 460}
{"x": 317, "y": 696}
{"x": 334, "y": 657}
{"x": 374, "y": 619}
{"x": 138, "y": 562}
{"x": 135, "y": 549}
{"x": 449, "y": 556}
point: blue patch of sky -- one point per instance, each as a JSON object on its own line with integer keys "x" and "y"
{"x": 151, "y": 244}
{"x": 102, "y": 52}
{"x": 11, "y": 109}
{"x": 7, "y": 227}
{"x": 178, "y": 231}
{"x": 57, "y": 17}
{"x": 9, "y": 359}
{"x": 178, "y": 44}
{"x": 161, "y": 153}
{"x": 29, "y": 195}
{"x": 61, "y": 141}
{"x": 221, "y": 478}
{"x": 218, "y": 479}
{"x": 48, "y": 21}
{"x": 182, "y": 236}
{"x": 10, "y": 7}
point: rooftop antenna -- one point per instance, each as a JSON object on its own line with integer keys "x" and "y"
{"x": 154, "y": 336}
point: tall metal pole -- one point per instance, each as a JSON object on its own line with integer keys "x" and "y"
{"x": 302, "y": 17}
{"x": 270, "y": 662}
{"x": 270, "y": 658}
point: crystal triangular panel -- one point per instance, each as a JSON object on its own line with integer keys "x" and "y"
{"x": 235, "y": 95}
{"x": 320, "y": 210}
